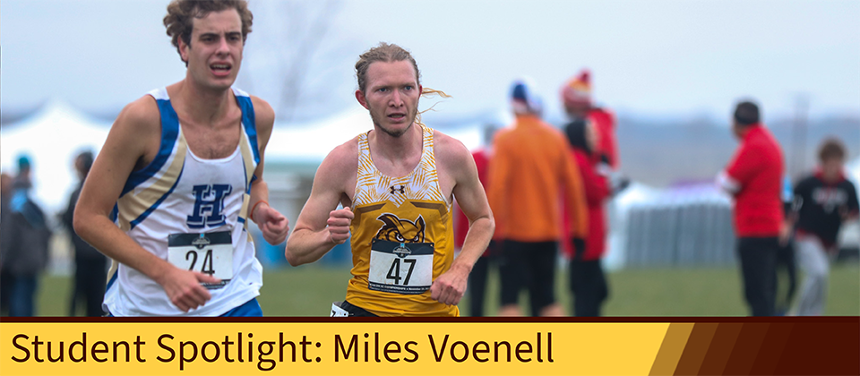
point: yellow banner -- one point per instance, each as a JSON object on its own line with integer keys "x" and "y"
{"x": 338, "y": 348}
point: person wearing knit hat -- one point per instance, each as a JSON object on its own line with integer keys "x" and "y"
{"x": 598, "y": 162}
{"x": 578, "y": 103}
{"x": 523, "y": 98}
{"x": 576, "y": 93}
{"x": 531, "y": 168}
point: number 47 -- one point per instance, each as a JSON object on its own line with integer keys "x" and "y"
{"x": 394, "y": 271}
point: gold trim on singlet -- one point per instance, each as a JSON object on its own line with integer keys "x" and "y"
{"x": 142, "y": 198}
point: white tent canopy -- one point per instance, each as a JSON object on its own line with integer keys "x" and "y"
{"x": 51, "y": 138}
{"x": 313, "y": 141}
{"x": 636, "y": 194}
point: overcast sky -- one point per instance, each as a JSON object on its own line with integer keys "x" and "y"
{"x": 648, "y": 58}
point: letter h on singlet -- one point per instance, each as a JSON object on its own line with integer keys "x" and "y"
{"x": 208, "y": 204}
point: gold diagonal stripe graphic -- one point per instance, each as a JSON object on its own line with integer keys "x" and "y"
{"x": 671, "y": 349}
{"x": 696, "y": 349}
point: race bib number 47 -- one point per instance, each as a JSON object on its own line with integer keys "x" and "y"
{"x": 402, "y": 268}
{"x": 210, "y": 253}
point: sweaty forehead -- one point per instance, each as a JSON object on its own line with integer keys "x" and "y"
{"x": 391, "y": 73}
{"x": 223, "y": 21}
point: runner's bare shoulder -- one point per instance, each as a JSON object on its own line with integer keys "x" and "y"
{"x": 137, "y": 129}
{"x": 451, "y": 152}
{"x": 343, "y": 159}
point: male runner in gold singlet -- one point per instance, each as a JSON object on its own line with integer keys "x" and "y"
{"x": 396, "y": 184}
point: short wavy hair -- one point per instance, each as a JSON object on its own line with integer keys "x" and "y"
{"x": 181, "y": 13}
{"x": 831, "y": 148}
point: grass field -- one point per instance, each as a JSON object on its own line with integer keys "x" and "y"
{"x": 309, "y": 291}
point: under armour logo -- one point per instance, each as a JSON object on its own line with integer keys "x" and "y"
{"x": 208, "y": 205}
{"x": 402, "y": 189}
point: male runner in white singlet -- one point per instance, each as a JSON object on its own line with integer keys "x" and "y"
{"x": 396, "y": 184}
{"x": 169, "y": 196}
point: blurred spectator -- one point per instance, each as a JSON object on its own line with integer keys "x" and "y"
{"x": 5, "y": 197}
{"x": 23, "y": 247}
{"x": 785, "y": 255}
{"x": 753, "y": 177}
{"x": 5, "y": 194}
{"x": 90, "y": 264}
{"x": 823, "y": 201}
{"x": 587, "y": 281}
{"x": 477, "y": 285}
{"x": 576, "y": 97}
{"x": 530, "y": 170}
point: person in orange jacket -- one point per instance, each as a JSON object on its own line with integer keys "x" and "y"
{"x": 530, "y": 172}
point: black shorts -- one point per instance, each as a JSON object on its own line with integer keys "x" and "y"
{"x": 355, "y": 311}
{"x": 532, "y": 265}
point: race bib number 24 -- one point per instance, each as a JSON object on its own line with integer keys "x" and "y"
{"x": 210, "y": 253}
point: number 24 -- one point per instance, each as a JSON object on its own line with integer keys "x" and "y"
{"x": 206, "y": 266}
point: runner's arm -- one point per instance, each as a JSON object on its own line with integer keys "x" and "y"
{"x": 272, "y": 223}
{"x": 319, "y": 226}
{"x": 455, "y": 159}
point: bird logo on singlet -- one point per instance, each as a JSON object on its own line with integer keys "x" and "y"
{"x": 401, "y": 230}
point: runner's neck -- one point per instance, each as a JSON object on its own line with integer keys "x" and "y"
{"x": 400, "y": 148}
{"x": 202, "y": 106}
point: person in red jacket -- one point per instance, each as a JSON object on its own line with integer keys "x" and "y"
{"x": 587, "y": 281}
{"x": 480, "y": 271}
{"x": 576, "y": 96}
{"x": 754, "y": 178}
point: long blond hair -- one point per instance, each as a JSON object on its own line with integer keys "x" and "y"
{"x": 386, "y": 52}
{"x": 428, "y": 92}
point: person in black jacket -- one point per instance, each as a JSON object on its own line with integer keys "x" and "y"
{"x": 822, "y": 202}
{"x": 90, "y": 264}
